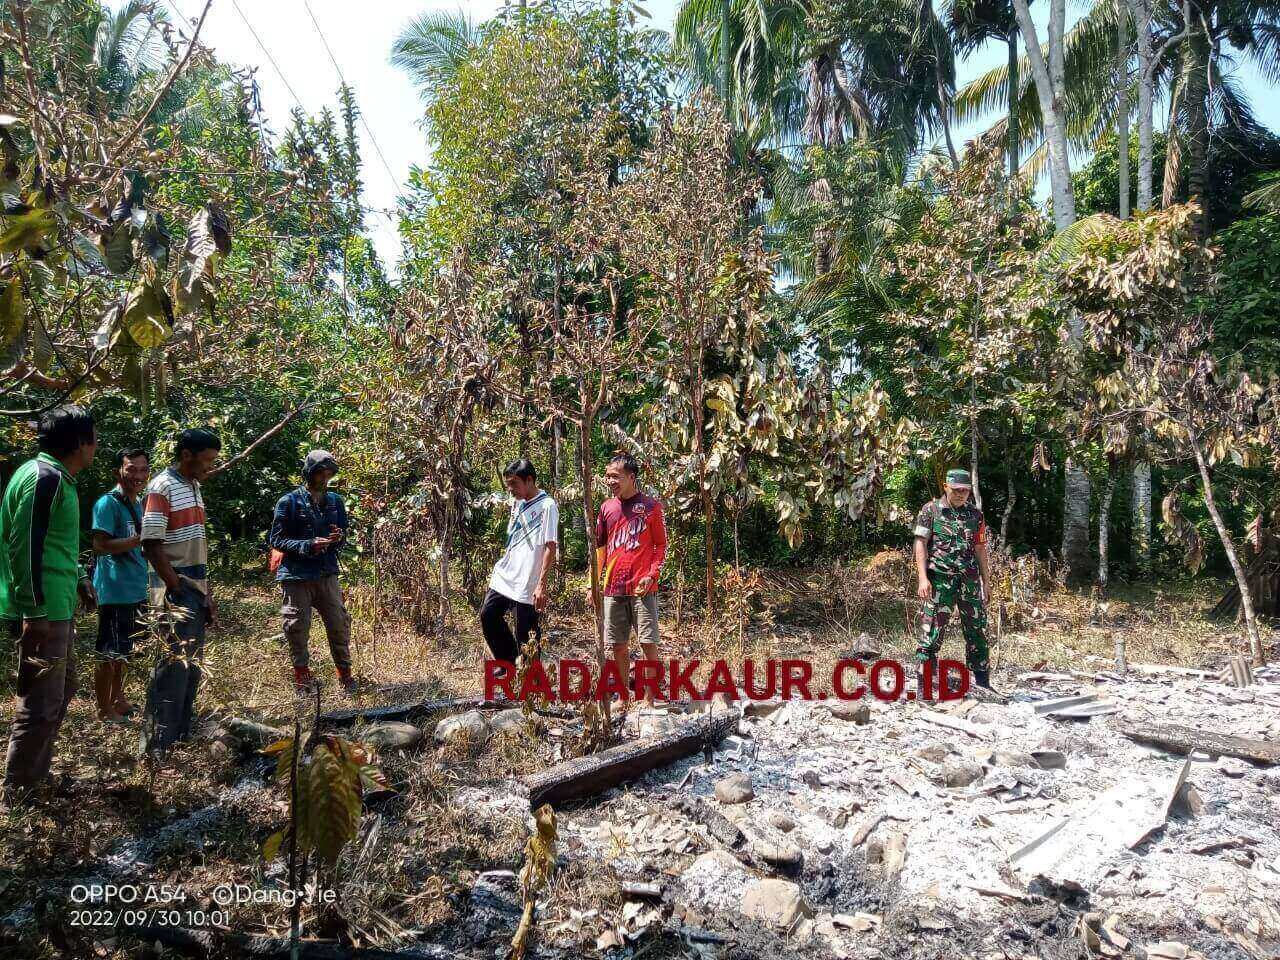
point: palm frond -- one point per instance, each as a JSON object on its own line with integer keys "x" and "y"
{"x": 1066, "y": 245}
{"x": 432, "y": 48}
{"x": 1267, "y": 196}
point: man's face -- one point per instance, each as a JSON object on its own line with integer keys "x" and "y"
{"x": 199, "y": 465}
{"x": 620, "y": 483}
{"x": 321, "y": 477}
{"x": 957, "y": 496}
{"x": 134, "y": 474}
{"x": 86, "y": 451}
{"x": 522, "y": 488}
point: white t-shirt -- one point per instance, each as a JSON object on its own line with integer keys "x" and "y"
{"x": 533, "y": 524}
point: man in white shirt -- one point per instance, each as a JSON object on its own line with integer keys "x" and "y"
{"x": 519, "y": 581}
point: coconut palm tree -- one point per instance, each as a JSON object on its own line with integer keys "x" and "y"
{"x": 972, "y": 23}
{"x": 432, "y": 47}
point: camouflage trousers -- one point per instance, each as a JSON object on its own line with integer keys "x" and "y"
{"x": 961, "y": 592}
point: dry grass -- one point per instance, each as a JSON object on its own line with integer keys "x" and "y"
{"x": 419, "y": 854}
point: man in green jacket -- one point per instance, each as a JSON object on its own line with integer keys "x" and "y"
{"x": 40, "y": 578}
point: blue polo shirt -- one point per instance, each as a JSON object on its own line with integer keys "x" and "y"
{"x": 121, "y": 578}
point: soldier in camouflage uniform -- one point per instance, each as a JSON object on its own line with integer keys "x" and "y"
{"x": 953, "y": 572}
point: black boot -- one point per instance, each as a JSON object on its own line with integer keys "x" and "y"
{"x": 982, "y": 678}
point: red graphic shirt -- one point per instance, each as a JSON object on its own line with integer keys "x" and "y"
{"x": 634, "y": 539}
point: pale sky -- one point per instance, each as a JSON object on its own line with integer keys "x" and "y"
{"x": 360, "y": 36}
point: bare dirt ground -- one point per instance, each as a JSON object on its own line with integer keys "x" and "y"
{"x": 931, "y": 876}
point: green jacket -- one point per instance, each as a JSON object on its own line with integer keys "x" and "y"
{"x": 39, "y": 542}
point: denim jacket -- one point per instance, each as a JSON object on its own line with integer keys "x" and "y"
{"x": 297, "y": 522}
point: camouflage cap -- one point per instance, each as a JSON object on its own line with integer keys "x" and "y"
{"x": 959, "y": 478}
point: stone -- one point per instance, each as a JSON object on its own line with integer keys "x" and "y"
{"x": 470, "y": 727}
{"x": 852, "y": 711}
{"x": 1168, "y": 950}
{"x": 1049, "y": 759}
{"x": 775, "y": 902}
{"x": 735, "y": 788}
{"x": 714, "y": 863}
{"x": 782, "y": 855}
{"x": 511, "y": 723}
{"x": 1012, "y": 758}
{"x": 760, "y": 709}
{"x": 780, "y": 821}
{"x": 393, "y": 736}
{"x": 811, "y": 778}
{"x": 1231, "y": 767}
{"x": 960, "y": 774}
{"x": 934, "y": 753}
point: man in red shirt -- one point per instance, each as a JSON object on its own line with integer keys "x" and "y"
{"x": 631, "y": 543}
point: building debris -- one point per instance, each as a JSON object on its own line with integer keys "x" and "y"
{"x": 1184, "y": 740}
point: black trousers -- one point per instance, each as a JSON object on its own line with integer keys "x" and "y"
{"x": 503, "y": 645}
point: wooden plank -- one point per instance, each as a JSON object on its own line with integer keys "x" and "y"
{"x": 584, "y": 777}
{"x": 955, "y": 723}
{"x": 1185, "y": 740}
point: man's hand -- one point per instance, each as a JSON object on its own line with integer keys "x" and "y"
{"x": 644, "y": 587}
{"x": 321, "y": 544}
{"x": 924, "y": 589}
{"x": 87, "y": 595}
{"x": 540, "y": 598}
{"x": 336, "y": 533}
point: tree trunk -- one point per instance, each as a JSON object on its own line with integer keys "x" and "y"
{"x": 1142, "y": 518}
{"x": 1242, "y": 581}
{"x": 1014, "y": 147}
{"x": 1122, "y": 111}
{"x": 726, "y": 66}
{"x": 1141, "y": 11}
{"x": 1197, "y": 135}
{"x": 1075, "y": 527}
{"x": 593, "y": 565}
{"x": 1010, "y": 499}
{"x": 1050, "y": 91}
{"x": 1104, "y": 530}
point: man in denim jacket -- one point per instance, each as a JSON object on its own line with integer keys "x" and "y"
{"x": 309, "y": 528}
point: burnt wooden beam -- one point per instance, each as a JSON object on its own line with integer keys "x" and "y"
{"x": 407, "y": 712}
{"x": 1184, "y": 740}
{"x": 584, "y": 777}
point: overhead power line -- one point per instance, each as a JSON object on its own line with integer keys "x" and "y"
{"x": 372, "y": 139}
{"x": 267, "y": 53}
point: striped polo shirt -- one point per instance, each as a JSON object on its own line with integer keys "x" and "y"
{"x": 174, "y": 513}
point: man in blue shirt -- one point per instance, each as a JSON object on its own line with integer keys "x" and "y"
{"x": 308, "y": 530}
{"x": 120, "y": 580}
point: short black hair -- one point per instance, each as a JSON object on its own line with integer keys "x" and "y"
{"x": 64, "y": 430}
{"x": 521, "y": 468}
{"x": 627, "y": 462}
{"x": 197, "y": 441}
{"x": 128, "y": 453}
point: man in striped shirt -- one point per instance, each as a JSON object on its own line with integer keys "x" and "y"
{"x": 174, "y": 541}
